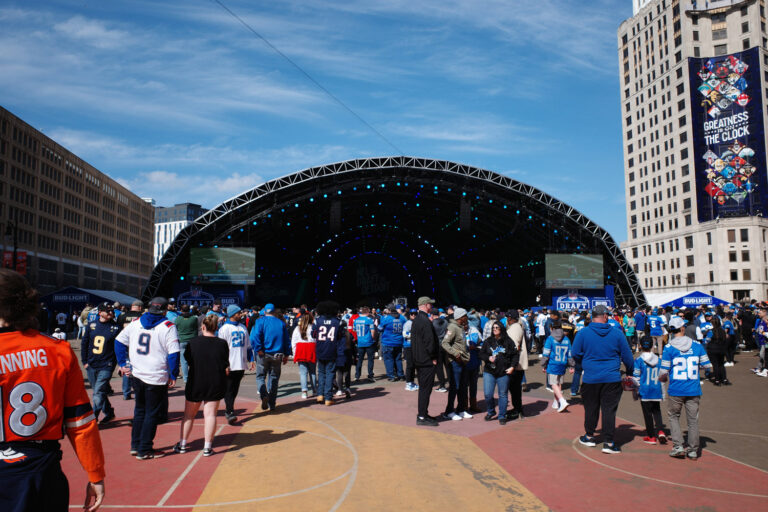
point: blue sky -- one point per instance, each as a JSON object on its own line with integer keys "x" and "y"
{"x": 178, "y": 101}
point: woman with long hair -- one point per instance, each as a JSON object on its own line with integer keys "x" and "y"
{"x": 303, "y": 345}
{"x": 44, "y": 386}
{"x": 208, "y": 360}
{"x": 500, "y": 356}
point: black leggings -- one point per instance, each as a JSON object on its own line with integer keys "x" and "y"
{"x": 718, "y": 370}
{"x": 410, "y": 370}
{"x": 730, "y": 348}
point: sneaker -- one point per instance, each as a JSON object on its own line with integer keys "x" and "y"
{"x": 726, "y": 382}
{"x": 347, "y": 393}
{"x": 264, "y": 403}
{"x": 207, "y": 452}
{"x": 178, "y": 448}
{"x": 563, "y": 405}
{"x": 649, "y": 440}
{"x": 662, "y": 437}
{"x": 415, "y": 387}
{"x": 576, "y": 395}
{"x": 106, "y": 419}
{"x": 134, "y": 452}
{"x": 304, "y": 395}
{"x": 610, "y": 448}
{"x": 329, "y": 402}
{"x": 587, "y": 440}
{"x": 339, "y": 393}
{"x": 426, "y": 422}
{"x": 549, "y": 389}
{"x": 555, "y": 404}
{"x": 692, "y": 455}
{"x": 441, "y": 389}
{"x": 451, "y": 416}
{"x": 763, "y": 373}
{"x": 320, "y": 399}
{"x": 231, "y": 418}
{"x": 502, "y": 420}
{"x": 677, "y": 452}
{"x": 465, "y": 415}
{"x": 152, "y": 454}
{"x": 371, "y": 379}
{"x": 512, "y": 415}
{"x": 409, "y": 386}
{"x": 489, "y": 417}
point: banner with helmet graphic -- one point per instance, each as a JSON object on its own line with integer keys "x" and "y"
{"x": 728, "y": 135}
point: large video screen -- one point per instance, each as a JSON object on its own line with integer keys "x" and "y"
{"x": 573, "y": 270}
{"x": 229, "y": 265}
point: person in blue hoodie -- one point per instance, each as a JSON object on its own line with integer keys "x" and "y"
{"x": 646, "y": 377}
{"x": 153, "y": 346}
{"x": 601, "y": 349}
{"x": 329, "y": 333}
{"x": 270, "y": 341}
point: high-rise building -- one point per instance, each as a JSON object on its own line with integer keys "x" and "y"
{"x": 693, "y": 78}
{"x": 75, "y": 225}
{"x": 169, "y": 221}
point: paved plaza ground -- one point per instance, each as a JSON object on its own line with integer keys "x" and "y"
{"x": 367, "y": 454}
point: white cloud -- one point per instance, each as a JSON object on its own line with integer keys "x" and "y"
{"x": 92, "y": 32}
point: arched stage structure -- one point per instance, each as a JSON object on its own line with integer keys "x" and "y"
{"x": 370, "y": 229}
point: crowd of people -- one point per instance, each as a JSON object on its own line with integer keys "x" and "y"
{"x": 211, "y": 348}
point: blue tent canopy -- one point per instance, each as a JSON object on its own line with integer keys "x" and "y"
{"x": 72, "y": 298}
{"x": 688, "y": 299}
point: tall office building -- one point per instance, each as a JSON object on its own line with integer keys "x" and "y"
{"x": 693, "y": 93}
{"x": 75, "y": 225}
{"x": 169, "y": 221}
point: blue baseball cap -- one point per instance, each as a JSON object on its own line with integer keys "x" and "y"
{"x": 399, "y": 306}
{"x": 268, "y": 308}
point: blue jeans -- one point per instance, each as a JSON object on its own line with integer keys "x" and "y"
{"x": 393, "y": 360}
{"x": 458, "y": 389}
{"x": 326, "y": 373}
{"x": 361, "y": 352}
{"x": 491, "y": 383}
{"x": 99, "y": 380}
{"x": 307, "y": 369}
{"x": 149, "y": 406}
{"x": 576, "y": 382}
{"x": 268, "y": 368}
{"x": 184, "y": 364}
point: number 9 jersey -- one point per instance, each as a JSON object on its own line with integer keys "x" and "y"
{"x": 149, "y": 348}
{"x": 41, "y": 391}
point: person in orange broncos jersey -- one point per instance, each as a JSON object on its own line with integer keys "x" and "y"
{"x": 42, "y": 395}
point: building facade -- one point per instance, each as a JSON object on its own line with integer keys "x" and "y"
{"x": 76, "y": 225}
{"x": 695, "y": 217}
{"x": 169, "y": 221}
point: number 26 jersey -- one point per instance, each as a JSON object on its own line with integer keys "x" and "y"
{"x": 683, "y": 362}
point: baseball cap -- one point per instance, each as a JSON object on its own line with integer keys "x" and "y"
{"x": 158, "y": 305}
{"x": 105, "y": 306}
{"x": 676, "y": 323}
{"x": 232, "y": 310}
{"x": 423, "y": 301}
{"x": 413, "y": 310}
{"x": 599, "y": 310}
{"x": 137, "y": 303}
{"x": 459, "y": 312}
{"x": 399, "y": 307}
{"x": 514, "y": 314}
{"x": 269, "y": 308}
{"x": 646, "y": 342}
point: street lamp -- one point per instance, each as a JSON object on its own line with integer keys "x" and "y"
{"x": 12, "y": 229}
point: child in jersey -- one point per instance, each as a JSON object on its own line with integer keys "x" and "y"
{"x": 556, "y": 357}
{"x": 646, "y": 377}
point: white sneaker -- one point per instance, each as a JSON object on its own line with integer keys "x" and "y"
{"x": 763, "y": 373}
{"x": 338, "y": 393}
{"x": 555, "y": 404}
{"x": 465, "y": 415}
{"x": 563, "y": 406}
{"x": 455, "y": 417}
{"x": 303, "y": 394}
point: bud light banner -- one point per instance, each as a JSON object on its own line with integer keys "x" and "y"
{"x": 728, "y": 135}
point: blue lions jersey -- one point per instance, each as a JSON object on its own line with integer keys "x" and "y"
{"x": 364, "y": 329}
{"x": 683, "y": 368}
{"x": 558, "y": 353}
{"x": 647, "y": 377}
{"x": 656, "y": 322}
{"x": 391, "y": 330}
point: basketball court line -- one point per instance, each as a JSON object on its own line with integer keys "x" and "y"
{"x": 675, "y": 484}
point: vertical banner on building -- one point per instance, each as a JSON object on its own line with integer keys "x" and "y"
{"x": 728, "y": 135}
{"x": 21, "y": 261}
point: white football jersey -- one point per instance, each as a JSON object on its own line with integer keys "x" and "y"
{"x": 236, "y": 336}
{"x": 148, "y": 350}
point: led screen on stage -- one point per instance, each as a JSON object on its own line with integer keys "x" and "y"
{"x": 728, "y": 135}
{"x": 573, "y": 271}
{"x": 231, "y": 265}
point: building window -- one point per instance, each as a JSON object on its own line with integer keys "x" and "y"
{"x": 689, "y": 242}
{"x": 745, "y": 44}
{"x": 745, "y": 27}
{"x": 732, "y": 256}
{"x": 689, "y": 260}
{"x": 745, "y": 235}
{"x": 711, "y": 259}
{"x": 711, "y": 277}
{"x": 744, "y": 255}
{"x": 688, "y": 221}
{"x": 721, "y": 49}
{"x": 696, "y": 52}
{"x": 691, "y": 278}
{"x": 687, "y": 203}
{"x": 734, "y": 275}
{"x": 719, "y": 34}
{"x": 746, "y": 274}
{"x": 695, "y": 35}
{"x": 731, "y": 236}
